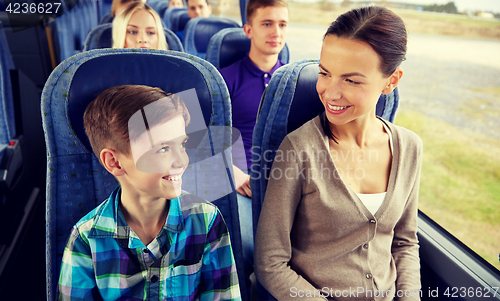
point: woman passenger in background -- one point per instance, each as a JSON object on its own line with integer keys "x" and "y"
{"x": 347, "y": 230}
{"x": 138, "y": 26}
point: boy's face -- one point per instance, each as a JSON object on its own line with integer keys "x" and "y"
{"x": 158, "y": 172}
{"x": 198, "y": 8}
{"x": 268, "y": 29}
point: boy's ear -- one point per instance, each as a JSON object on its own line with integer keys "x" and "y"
{"x": 110, "y": 162}
{"x": 248, "y": 30}
{"x": 393, "y": 81}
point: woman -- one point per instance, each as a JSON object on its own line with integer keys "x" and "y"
{"x": 138, "y": 26}
{"x": 346, "y": 228}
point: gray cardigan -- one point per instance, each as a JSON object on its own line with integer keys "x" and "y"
{"x": 316, "y": 237}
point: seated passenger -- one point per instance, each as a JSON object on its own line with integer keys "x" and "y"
{"x": 176, "y": 3}
{"x": 346, "y": 227}
{"x": 196, "y": 8}
{"x": 149, "y": 239}
{"x": 246, "y": 80}
{"x": 138, "y": 26}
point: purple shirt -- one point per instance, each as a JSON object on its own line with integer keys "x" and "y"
{"x": 246, "y": 83}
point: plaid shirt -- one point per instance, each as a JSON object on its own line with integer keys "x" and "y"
{"x": 190, "y": 259}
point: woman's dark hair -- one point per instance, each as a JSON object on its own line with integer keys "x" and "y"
{"x": 377, "y": 26}
{"x": 380, "y": 28}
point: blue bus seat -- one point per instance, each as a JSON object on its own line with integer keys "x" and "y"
{"x": 179, "y": 20}
{"x": 76, "y": 182}
{"x": 101, "y": 37}
{"x": 106, "y": 18}
{"x": 231, "y": 45}
{"x": 159, "y": 6}
{"x": 168, "y": 14}
{"x": 289, "y": 101}
{"x": 74, "y": 26}
{"x": 7, "y": 121}
{"x": 199, "y": 31}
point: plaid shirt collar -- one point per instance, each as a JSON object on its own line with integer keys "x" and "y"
{"x": 110, "y": 222}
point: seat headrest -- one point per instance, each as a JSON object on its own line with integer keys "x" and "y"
{"x": 306, "y": 103}
{"x": 173, "y": 74}
{"x": 206, "y": 28}
{"x": 179, "y": 20}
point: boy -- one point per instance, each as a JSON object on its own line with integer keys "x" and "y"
{"x": 148, "y": 240}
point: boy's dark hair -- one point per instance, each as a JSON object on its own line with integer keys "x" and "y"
{"x": 380, "y": 28}
{"x": 106, "y": 119}
{"x": 253, "y": 5}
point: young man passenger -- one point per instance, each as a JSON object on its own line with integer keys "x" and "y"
{"x": 196, "y": 8}
{"x": 267, "y": 27}
{"x": 148, "y": 239}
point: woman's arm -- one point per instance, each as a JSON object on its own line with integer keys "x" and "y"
{"x": 405, "y": 242}
{"x": 273, "y": 249}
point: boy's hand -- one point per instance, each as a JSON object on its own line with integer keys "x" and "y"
{"x": 242, "y": 181}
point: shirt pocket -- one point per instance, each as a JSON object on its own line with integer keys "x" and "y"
{"x": 183, "y": 281}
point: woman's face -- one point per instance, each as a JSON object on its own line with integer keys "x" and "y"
{"x": 350, "y": 81}
{"x": 141, "y": 31}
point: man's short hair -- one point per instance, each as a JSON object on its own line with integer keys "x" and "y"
{"x": 106, "y": 119}
{"x": 208, "y": 3}
{"x": 253, "y": 5}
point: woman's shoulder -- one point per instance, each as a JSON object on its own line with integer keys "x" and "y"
{"x": 407, "y": 137}
{"x": 306, "y": 134}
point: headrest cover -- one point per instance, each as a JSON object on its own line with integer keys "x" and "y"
{"x": 171, "y": 74}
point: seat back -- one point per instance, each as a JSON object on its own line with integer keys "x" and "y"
{"x": 74, "y": 26}
{"x": 289, "y": 101}
{"x": 76, "y": 182}
{"x": 169, "y": 12}
{"x": 231, "y": 45}
{"x": 107, "y": 18}
{"x": 179, "y": 20}
{"x": 159, "y": 6}
{"x": 7, "y": 122}
{"x": 101, "y": 37}
{"x": 199, "y": 31}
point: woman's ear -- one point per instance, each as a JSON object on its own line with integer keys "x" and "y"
{"x": 393, "y": 81}
{"x": 110, "y": 162}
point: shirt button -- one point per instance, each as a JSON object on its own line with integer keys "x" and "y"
{"x": 365, "y": 246}
{"x": 373, "y": 221}
{"x": 145, "y": 251}
{"x": 154, "y": 278}
{"x": 369, "y": 276}
{"x": 266, "y": 75}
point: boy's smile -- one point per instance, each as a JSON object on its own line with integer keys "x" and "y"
{"x": 158, "y": 171}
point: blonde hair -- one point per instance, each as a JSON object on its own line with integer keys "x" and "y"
{"x": 121, "y": 21}
{"x": 116, "y": 3}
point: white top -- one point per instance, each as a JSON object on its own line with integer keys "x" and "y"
{"x": 373, "y": 201}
